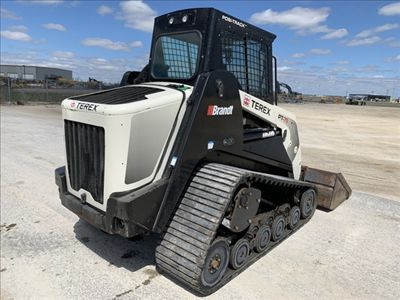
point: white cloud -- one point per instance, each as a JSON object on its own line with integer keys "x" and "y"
{"x": 6, "y": 14}
{"x": 104, "y": 10}
{"x": 295, "y": 18}
{"x": 373, "y": 31}
{"x": 105, "y": 43}
{"x": 137, "y": 15}
{"x": 284, "y": 68}
{"x": 301, "y": 19}
{"x": 364, "y": 41}
{"x": 136, "y": 44}
{"x": 15, "y": 35}
{"x": 343, "y": 62}
{"x": 54, "y": 26}
{"x": 335, "y": 34}
{"x": 390, "y": 9}
{"x": 394, "y": 44}
{"x": 20, "y": 28}
{"x": 45, "y": 2}
{"x": 63, "y": 54}
{"x": 318, "y": 51}
{"x": 397, "y": 57}
{"x": 298, "y": 55}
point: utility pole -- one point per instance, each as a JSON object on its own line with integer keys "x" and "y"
{"x": 9, "y": 91}
{"x": 47, "y": 89}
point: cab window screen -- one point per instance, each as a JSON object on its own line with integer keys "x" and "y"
{"x": 246, "y": 58}
{"x": 176, "y": 56}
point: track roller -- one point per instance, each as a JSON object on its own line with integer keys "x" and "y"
{"x": 278, "y": 228}
{"x": 262, "y": 238}
{"x": 308, "y": 203}
{"x": 216, "y": 262}
{"x": 294, "y": 217}
{"x": 239, "y": 253}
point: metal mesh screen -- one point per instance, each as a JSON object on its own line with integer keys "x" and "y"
{"x": 176, "y": 56}
{"x": 85, "y": 157}
{"x": 247, "y": 60}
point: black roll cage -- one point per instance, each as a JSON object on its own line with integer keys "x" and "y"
{"x": 211, "y": 23}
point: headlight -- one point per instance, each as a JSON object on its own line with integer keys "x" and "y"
{"x": 171, "y": 21}
{"x": 185, "y": 18}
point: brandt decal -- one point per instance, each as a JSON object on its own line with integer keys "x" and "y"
{"x": 215, "y": 110}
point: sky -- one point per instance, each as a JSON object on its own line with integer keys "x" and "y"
{"x": 323, "y": 47}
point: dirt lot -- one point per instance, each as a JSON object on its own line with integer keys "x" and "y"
{"x": 46, "y": 252}
{"x": 361, "y": 142}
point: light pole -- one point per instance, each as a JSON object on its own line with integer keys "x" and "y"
{"x": 9, "y": 90}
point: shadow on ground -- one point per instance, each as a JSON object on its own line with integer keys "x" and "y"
{"x": 131, "y": 254}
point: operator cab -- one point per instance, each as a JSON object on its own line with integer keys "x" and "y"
{"x": 189, "y": 42}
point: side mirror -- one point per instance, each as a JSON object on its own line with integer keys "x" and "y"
{"x": 129, "y": 77}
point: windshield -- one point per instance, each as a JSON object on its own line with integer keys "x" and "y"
{"x": 176, "y": 56}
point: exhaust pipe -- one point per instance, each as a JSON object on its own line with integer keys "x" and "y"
{"x": 332, "y": 188}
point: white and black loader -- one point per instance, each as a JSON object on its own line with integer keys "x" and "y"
{"x": 194, "y": 147}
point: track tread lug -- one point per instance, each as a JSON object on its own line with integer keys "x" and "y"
{"x": 196, "y": 219}
{"x": 188, "y": 238}
{"x": 198, "y": 213}
{"x": 213, "y": 193}
{"x": 201, "y": 207}
{"x": 196, "y": 198}
{"x": 183, "y": 224}
{"x": 179, "y": 253}
{"x": 188, "y": 247}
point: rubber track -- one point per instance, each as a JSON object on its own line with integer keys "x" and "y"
{"x": 182, "y": 251}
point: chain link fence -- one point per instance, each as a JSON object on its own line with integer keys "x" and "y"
{"x": 14, "y": 91}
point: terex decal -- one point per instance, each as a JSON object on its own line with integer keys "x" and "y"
{"x": 258, "y": 106}
{"x": 215, "y": 110}
{"x": 84, "y": 106}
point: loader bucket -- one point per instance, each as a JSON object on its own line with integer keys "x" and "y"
{"x": 332, "y": 187}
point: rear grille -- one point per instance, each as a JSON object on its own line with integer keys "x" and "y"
{"x": 85, "y": 157}
{"x": 119, "y": 96}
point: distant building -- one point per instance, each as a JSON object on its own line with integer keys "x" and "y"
{"x": 368, "y": 97}
{"x": 33, "y": 72}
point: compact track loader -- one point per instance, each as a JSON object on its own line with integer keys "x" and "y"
{"x": 194, "y": 148}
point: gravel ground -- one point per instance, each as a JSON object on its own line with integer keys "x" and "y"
{"x": 48, "y": 253}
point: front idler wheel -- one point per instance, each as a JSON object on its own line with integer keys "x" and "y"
{"x": 294, "y": 217}
{"x": 216, "y": 263}
{"x": 308, "y": 203}
{"x": 239, "y": 253}
{"x": 262, "y": 238}
{"x": 278, "y": 228}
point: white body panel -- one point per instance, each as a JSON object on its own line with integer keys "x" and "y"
{"x": 279, "y": 118}
{"x": 116, "y": 119}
